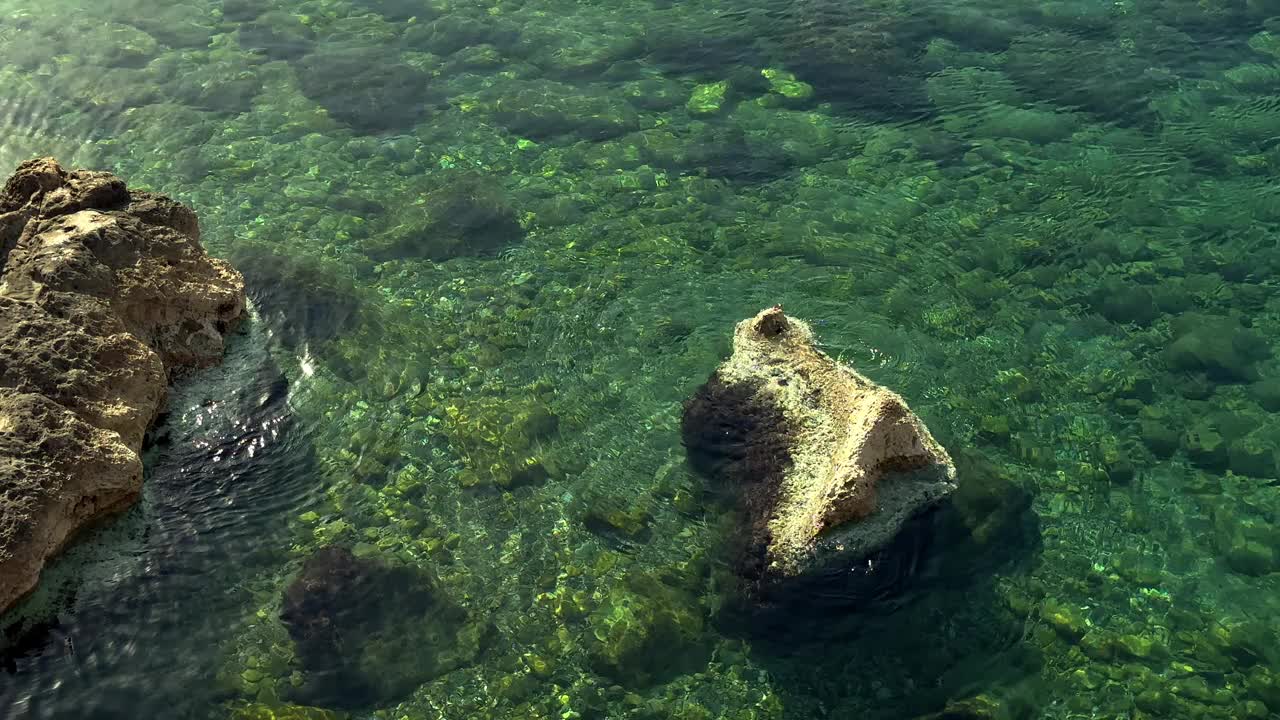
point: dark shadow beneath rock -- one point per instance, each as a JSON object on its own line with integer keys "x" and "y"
{"x": 368, "y": 632}
{"x": 367, "y": 88}
{"x": 25, "y": 639}
{"x": 927, "y": 605}
{"x": 986, "y": 525}
{"x": 742, "y": 445}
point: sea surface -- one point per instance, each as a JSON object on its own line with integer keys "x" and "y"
{"x": 492, "y": 247}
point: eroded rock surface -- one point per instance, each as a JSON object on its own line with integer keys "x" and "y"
{"x": 827, "y": 466}
{"x": 105, "y": 295}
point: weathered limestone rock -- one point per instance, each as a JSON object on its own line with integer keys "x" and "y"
{"x": 827, "y": 466}
{"x": 105, "y": 294}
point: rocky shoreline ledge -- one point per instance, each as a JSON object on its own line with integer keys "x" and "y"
{"x": 106, "y": 295}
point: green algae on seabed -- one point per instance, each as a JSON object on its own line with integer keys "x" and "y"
{"x": 501, "y": 242}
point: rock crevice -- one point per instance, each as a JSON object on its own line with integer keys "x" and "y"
{"x": 106, "y": 294}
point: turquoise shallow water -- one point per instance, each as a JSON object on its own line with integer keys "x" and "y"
{"x": 494, "y": 245}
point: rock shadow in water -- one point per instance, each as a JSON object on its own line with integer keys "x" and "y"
{"x": 924, "y": 610}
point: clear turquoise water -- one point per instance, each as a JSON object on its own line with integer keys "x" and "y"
{"x": 494, "y": 245}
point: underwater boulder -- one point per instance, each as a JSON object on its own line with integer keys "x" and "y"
{"x": 727, "y": 153}
{"x": 450, "y": 33}
{"x": 785, "y": 89}
{"x": 1253, "y": 453}
{"x": 583, "y": 54}
{"x": 1266, "y": 393}
{"x": 264, "y": 711}
{"x": 206, "y": 82}
{"x": 978, "y": 707}
{"x": 543, "y": 109}
{"x": 368, "y": 88}
{"x": 654, "y": 93}
{"x": 709, "y": 99}
{"x": 107, "y": 45}
{"x": 105, "y": 294}
{"x": 368, "y": 630}
{"x": 242, "y": 10}
{"x": 1030, "y": 124}
{"x": 683, "y": 49}
{"x": 830, "y": 471}
{"x": 853, "y": 54}
{"x": 646, "y": 631}
{"x": 1124, "y": 303}
{"x": 470, "y": 214}
{"x": 956, "y": 89}
{"x": 618, "y": 519}
{"x": 1220, "y": 347}
{"x": 277, "y": 35}
{"x": 475, "y": 58}
{"x": 178, "y": 26}
{"x": 400, "y": 9}
{"x": 1246, "y": 541}
{"x": 1058, "y": 68}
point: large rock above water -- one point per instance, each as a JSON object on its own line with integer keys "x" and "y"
{"x": 105, "y": 295}
{"x": 828, "y": 468}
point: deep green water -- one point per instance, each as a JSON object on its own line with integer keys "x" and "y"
{"x": 494, "y": 245}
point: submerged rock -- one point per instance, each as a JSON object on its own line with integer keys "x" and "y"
{"x": 241, "y": 10}
{"x": 852, "y": 54}
{"x": 1220, "y": 347}
{"x": 261, "y": 711}
{"x": 369, "y": 89}
{"x": 368, "y": 632}
{"x": 470, "y": 215}
{"x": 277, "y": 35}
{"x": 708, "y": 99}
{"x": 455, "y": 31}
{"x": 645, "y": 631}
{"x": 545, "y": 109}
{"x": 105, "y": 294}
{"x": 828, "y": 467}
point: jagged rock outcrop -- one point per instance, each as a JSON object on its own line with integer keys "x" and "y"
{"x": 105, "y": 295}
{"x": 826, "y": 466}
